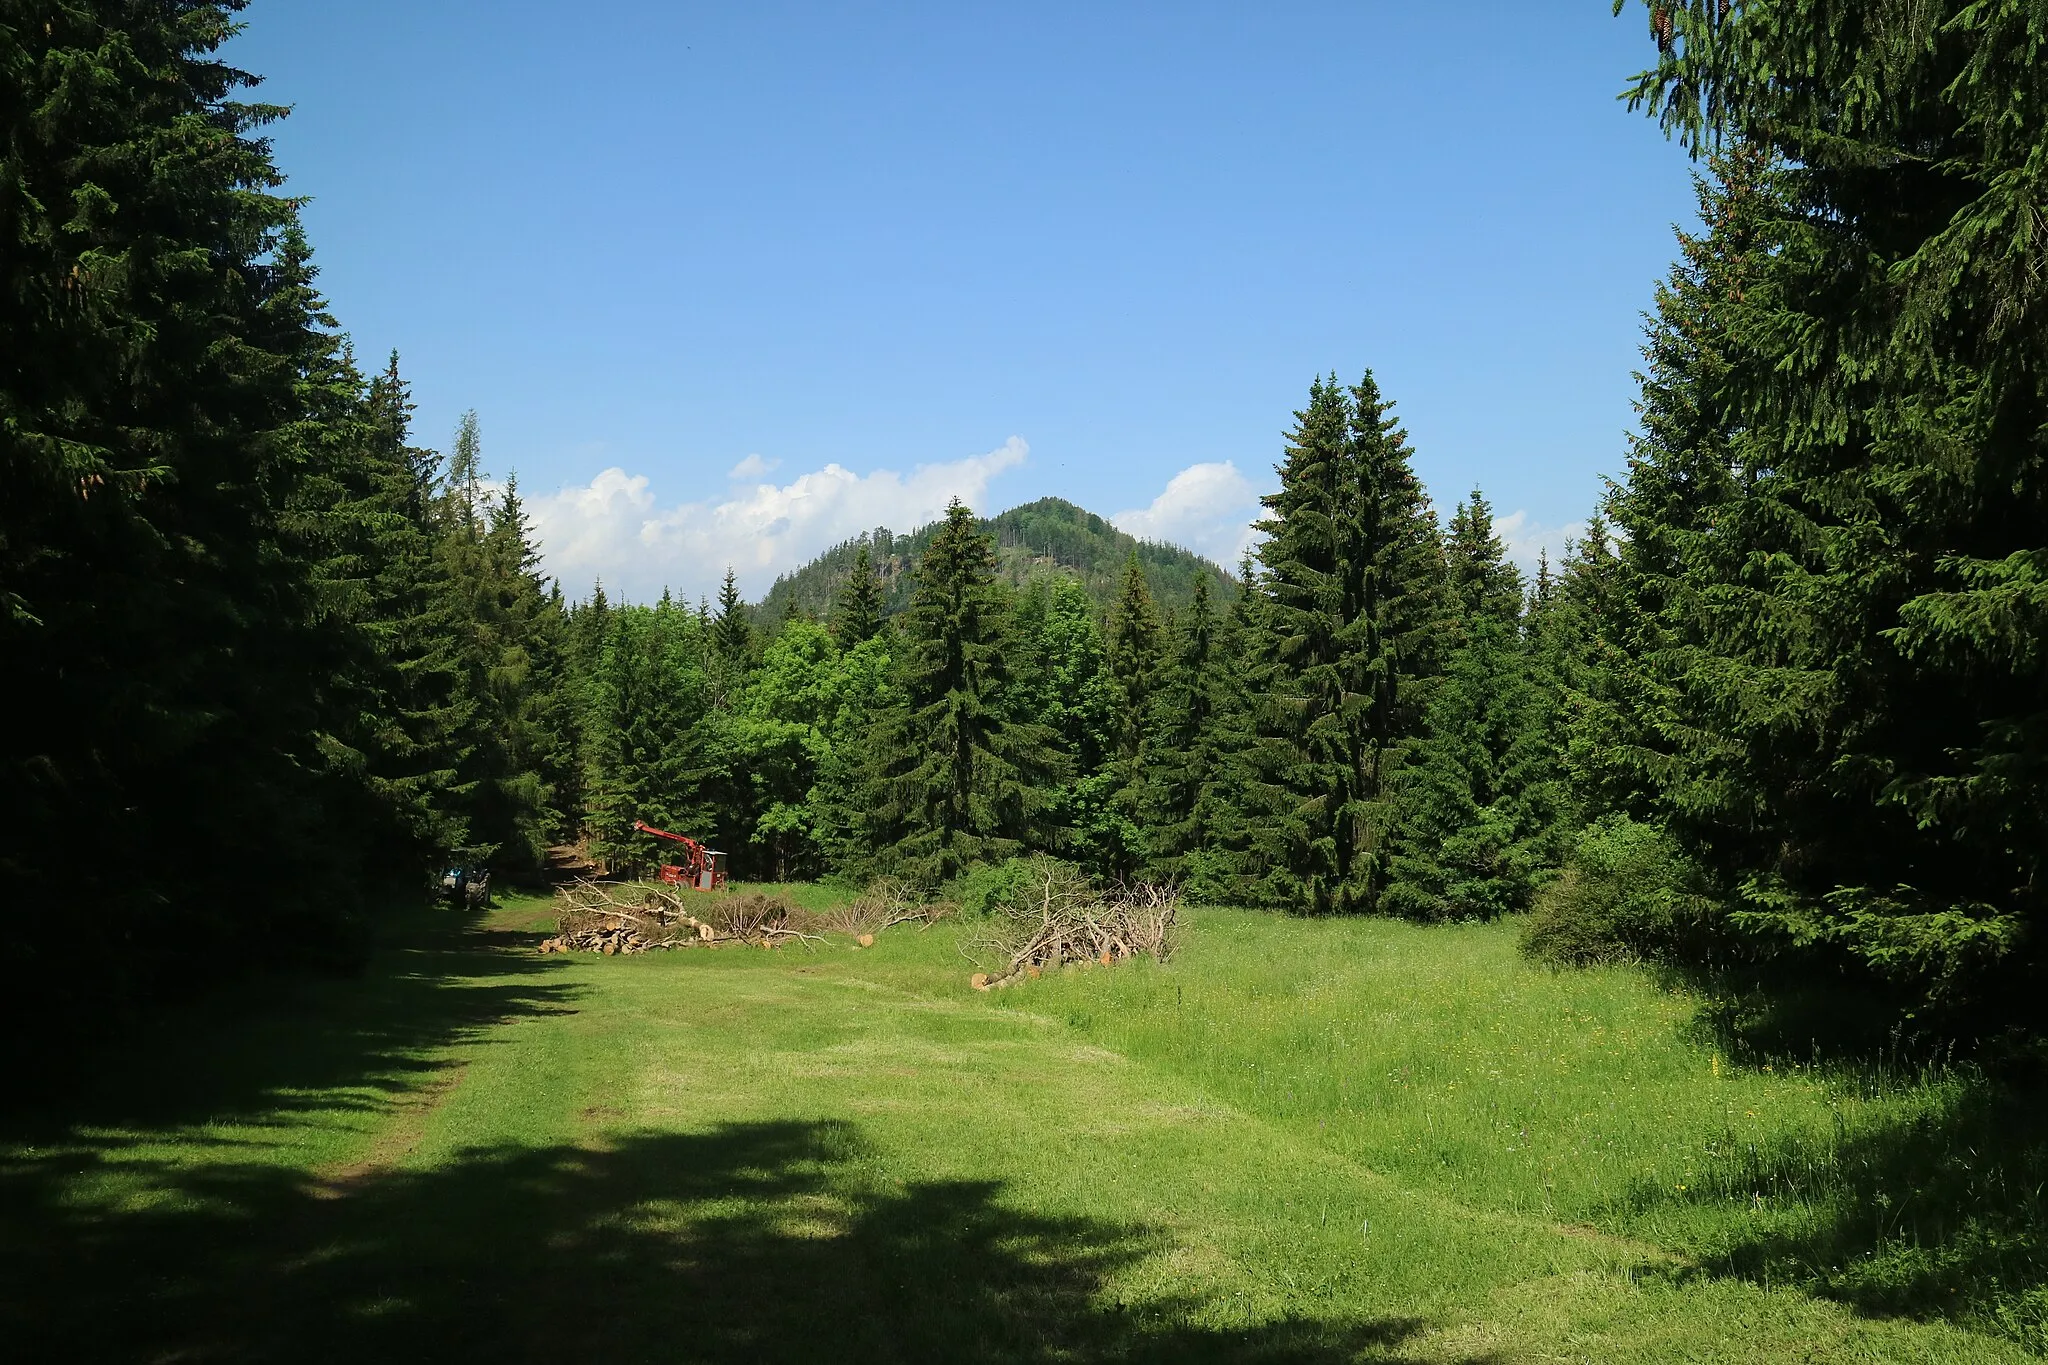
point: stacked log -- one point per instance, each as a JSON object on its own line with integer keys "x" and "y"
{"x": 598, "y": 917}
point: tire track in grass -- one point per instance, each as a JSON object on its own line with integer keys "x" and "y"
{"x": 1510, "y": 1286}
{"x": 413, "y": 1110}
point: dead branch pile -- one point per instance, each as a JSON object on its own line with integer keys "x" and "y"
{"x": 884, "y": 905}
{"x": 1057, "y": 918}
{"x": 598, "y": 917}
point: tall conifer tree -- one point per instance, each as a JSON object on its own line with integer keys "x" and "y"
{"x": 1134, "y": 658}
{"x": 960, "y": 780}
{"x": 857, "y": 610}
{"x": 650, "y": 734}
{"x": 158, "y": 620}
{"x": 1348, "y": 640}
{"x": 1862, "y": 759}
{"x": 732, "y": 633}
{"x": 1189, "y": 721}
{"x": 1479, "y": 801}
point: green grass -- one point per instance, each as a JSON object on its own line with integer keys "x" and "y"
{"x": 1298, "y": 1142}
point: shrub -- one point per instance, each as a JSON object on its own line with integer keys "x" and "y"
{"x": 1212, "y": 877}
{"x": 1626, "y": 892}
{"x": 986, "y": 888}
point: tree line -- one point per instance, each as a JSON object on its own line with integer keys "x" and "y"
{"x": 1784, "y": 702}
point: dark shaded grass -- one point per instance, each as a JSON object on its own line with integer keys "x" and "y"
{"x": 754, "y": 1242}
{"x": 1935, "y": 1213}
{"x": 761, "y": 1242}
{"x": 1939, "y": 1214}
{"x": 306, "y": 1043}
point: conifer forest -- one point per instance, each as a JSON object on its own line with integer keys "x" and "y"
{"x": 279, "y": 658}
{"x": 1795, "y": 660}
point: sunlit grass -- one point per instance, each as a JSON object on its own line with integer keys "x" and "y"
{"x": 1303, "y": 1141}
{"x": 1440, "y": 1056}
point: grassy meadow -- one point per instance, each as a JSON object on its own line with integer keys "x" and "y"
{"x": 1299, "y": 1141}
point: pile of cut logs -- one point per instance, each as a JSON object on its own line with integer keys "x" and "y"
{"x": 612, "y": 919}
{"x": 621, "y": 936}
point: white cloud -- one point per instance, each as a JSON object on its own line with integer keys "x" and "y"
{"x": 615, "y": 528}
{"x": 1207, "y": 508}
{"x": 1525, "y": 538}
{"x": 753, "y": 467}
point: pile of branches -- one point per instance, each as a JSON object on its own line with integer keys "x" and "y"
{"x": 639, "y": 917}
{"x": 884, "y": 905}
{"x": 1056, "y": 917}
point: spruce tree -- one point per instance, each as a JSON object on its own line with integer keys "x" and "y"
{"x": 1482, "y": 581}
{"x": 400, "y": 727}
{"x": 1628, "y": 641}
{"x": 732, "y": 634}
{"x": 160, "y": 623}
{"x": 649, "y": 735}
{"x": 1134, "y": 655}
{"x": 1220, "y": 864}
{"x": 1348, "y": 641}
{"x": 1187, "y": 709}
{"x": 532, "y": 718}
{"x": 1478, "y": 803}
{"x": 1133, "y": 660}
{"x": 857, "y": 610}
{"x": 959, "y": 779}
{"x": 506, "y": 639}
{"x": 1870, "y": 691}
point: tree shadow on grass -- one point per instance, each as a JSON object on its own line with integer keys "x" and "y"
{"x": 1932, "y": 1206}
{"x": 1936, "y": 1214}
{"x": 240, "y": 1070}
{"x": 756, "y": 1243}
{"x": 296, "y": 1042}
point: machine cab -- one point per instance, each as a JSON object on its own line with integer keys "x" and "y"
{"x": 705, "y": 872}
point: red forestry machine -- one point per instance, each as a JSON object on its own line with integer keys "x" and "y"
{"x": 701, "y": 868}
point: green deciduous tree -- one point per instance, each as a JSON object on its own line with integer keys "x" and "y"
{"x": 861, "y": 689}
{"x": 782, "y": 737}
{"x": 1060, "y": 680}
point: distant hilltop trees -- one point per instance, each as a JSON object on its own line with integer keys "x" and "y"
{"x": 1048, "y": 537}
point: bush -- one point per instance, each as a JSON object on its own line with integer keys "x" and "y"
{"x": 986, "y": 888}
{"x": 1213, "y": 877}
{"x": 1627, "y": 891}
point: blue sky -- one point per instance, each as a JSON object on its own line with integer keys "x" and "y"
{"x": 727, "y": 283}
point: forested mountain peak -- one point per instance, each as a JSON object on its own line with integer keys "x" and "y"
{"x": 1047, "y": 538}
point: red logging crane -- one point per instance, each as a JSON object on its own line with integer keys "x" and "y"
{"x": 701, "y": 868}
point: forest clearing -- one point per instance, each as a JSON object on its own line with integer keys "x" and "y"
{"x": 1296, "y": 684}
{"x": 1297, "y": 1141}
